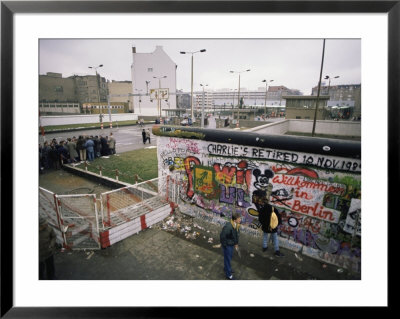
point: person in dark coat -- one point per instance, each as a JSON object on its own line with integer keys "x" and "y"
{"x": 96, "y": 146}
{"x": 229, "y": 238}
{"x": 45, "y": 155}
{"x": 144, "y": 136}
{"x": 265, "y": 219}
{"x": 47, "y": 248}
{"x": 63, "y": 154}
{"x": 104, "y": 146}
{"x": 80, "y": 147}
{"x": 53, "y": 155}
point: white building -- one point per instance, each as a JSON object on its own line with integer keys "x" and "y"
{"x": 151, "y": 71}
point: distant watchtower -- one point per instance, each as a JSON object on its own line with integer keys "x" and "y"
{"x": 303, "y": 106}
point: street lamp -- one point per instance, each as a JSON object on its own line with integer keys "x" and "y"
{"x": 97, "y": 79}
{"x": 159, "y": 87}
{"x": 237, "y": 125}
{"x": 233, "y": 102}
{"x": 266, "y": 91}
{"x": 147, "y": 87}
{"x": 191, "y": 86}
{"x": 202, "y": 109}
{"x": 328, "y": 77}
{"x": 139, "y": 90}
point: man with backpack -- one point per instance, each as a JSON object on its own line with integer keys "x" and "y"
{"x": 270, "y": 219}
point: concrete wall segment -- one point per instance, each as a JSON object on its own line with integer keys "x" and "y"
{"x": 318, "y": 195}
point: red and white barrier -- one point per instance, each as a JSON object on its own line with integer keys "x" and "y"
{"x": 122, "y": 231}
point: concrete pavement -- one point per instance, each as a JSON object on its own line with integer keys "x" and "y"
{"x": 165, "y": 253}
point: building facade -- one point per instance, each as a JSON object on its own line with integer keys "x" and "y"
{"x": 121, "y": 92}
{"x": 348, "y": 95}
{"x": 56, "y": 92}
{"x": 53, "y": 88}
{"x": 151, "y": 72}
{"x": 303, "y": 107}
{"x": 69, "y": 95}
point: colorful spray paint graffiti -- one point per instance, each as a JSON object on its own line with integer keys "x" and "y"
{"x": 318, "y": 196}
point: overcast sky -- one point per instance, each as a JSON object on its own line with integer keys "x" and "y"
{"x": 294, "y": 63}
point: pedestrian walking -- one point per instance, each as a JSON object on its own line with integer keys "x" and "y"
{"x": 229, "y": 238}
{"x": 144, "y": 136}
{"x": 47, "y": 248}
{"x": 148, "y": 135}
{"x": 111, "y": 144}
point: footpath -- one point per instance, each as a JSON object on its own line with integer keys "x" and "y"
{"x": 179, "y": 249}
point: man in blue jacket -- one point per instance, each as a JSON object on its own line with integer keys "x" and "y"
{"x": 229, "y": 238}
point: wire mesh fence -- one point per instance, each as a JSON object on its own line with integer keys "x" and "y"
{"x": 81, "y": 220}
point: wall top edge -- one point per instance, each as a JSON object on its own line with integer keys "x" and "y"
{"x": 313, "y": 145}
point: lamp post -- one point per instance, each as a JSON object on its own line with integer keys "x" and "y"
{"x": 319, "y": 89}
{"x": 202, "y": 109}
{"x": 237, "y": 124}
{"x": 97, "y": 80}
{"x": 266, "y": 91}
{"x": 159, "y": 87}
{"x": 139, "y": 90}
{"x": 328, "y": 77}
{"x": 191, "y": 86}
{"x": 147, "y": 87}
{"x": 233, "y": 103}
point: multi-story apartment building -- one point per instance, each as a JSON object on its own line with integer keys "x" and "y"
{"x": 90, "y": 88}
{"x": 183, "y": 99}
{"x": 58, "y": 94}
{"x": 340, "y": 95}
{"x": 343, "y": 95}
{"x": 229, "y": 97}
{"x": 150, "y": 72}
{"x": 53, "y": 88}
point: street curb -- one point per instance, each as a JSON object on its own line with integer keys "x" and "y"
{"x": 107, "y": 181}
{"x": 88, "y": 128}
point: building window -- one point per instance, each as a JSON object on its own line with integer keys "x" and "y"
{"x": 149, "y": 69}
{"x": 59, "y": 89}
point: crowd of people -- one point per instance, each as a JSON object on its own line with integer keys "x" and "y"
{"x": 84, "y": 148}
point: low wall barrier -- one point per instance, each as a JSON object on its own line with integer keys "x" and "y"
{"x": 84, "y": 222}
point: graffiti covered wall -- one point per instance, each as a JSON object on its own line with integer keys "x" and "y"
{"x": 318, "y": 196}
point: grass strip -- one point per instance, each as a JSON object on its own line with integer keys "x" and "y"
{"x": 142, "y": 162}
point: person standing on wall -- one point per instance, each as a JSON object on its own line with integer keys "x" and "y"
{"x": 47, "y": 248}
{"x": 229, "y": 238}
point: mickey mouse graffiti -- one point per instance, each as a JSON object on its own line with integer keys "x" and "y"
{"x": 261, "y": 195}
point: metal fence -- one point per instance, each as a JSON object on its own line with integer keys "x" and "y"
{"x": 80, "y": 220}
{"x": 83, "y": 222}
{"x": 124, "y": 204}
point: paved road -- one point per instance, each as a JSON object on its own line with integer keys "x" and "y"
{"x": 128, "y": 138}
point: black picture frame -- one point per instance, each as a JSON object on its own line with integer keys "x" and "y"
{"x": 9, "y": 8}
